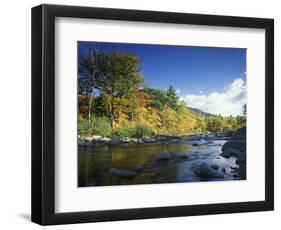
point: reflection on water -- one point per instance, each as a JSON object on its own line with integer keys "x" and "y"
{"x": 95, "y": 164}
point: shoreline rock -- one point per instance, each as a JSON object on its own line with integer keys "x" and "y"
{"x": 236, "y": 147}
{"x": 99, "y": 141}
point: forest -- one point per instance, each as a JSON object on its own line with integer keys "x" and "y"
{"x": 114, "y": 98}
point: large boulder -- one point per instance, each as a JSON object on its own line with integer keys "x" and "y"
{"x": 234, "y": 144}
{"x": 240, "y": 134}
{"x": 229, "y": 152}
{"x": 205, "y": 171}
{"x": 122, "y": 173}
{"x": 242, "y": 170}
{"x": 114, "y": 141}
{"x": 241, "y": 158}
{"x": 236, "y": 147}
{"x": 163, "y": 156}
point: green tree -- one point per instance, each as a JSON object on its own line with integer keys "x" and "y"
{"x": 172, "y": 97}
{"x": 117, "y": 77}
{"x": 158, "y": 98}
{"x": 87, "y": 68}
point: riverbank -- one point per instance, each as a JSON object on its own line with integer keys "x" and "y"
{"x": 99, "y": 141}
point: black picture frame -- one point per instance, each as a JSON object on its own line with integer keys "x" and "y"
{"x": 43, "y": 114}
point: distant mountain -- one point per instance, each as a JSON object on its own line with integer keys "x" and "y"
{"x": 200, "y": 112}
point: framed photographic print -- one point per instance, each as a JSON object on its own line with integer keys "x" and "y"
{"x": 141, "y": 114}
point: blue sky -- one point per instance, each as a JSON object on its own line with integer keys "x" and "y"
{"x": 200, "y": 74}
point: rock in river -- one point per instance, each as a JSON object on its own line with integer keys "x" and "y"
{"x": 215, "y": 167}
{"x": 236, "y": 147}
{"x": 228, "y": 152}
{"x": 240, "y": 134}
{"x": 114, "y": 141}
{"x": 206, "y": 171}
{"x": 234, "y": 144}
{"x": 122, "y": 173}
{"x": 164, "y": 156}
{"x": 184, "y": 156}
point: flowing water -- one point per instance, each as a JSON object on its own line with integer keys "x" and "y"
{"x": 95, "y": 164}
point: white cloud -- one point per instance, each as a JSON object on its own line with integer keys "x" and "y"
{"x": 178, "y": 92}
{"x": 228, "y": 102}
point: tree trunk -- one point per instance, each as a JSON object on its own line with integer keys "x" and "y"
{"x": 112, "y": 111}
{"x": 112, "y": 122}
{"x": 90, "y": 107}
{"x": 94, "y": 56}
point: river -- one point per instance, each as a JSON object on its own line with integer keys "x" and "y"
{"x": 96, "y": 163}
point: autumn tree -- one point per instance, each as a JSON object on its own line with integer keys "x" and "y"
{"x": 117, "y": 76}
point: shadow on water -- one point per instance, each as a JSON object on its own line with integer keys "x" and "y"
{"x": 95, "y": 164}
